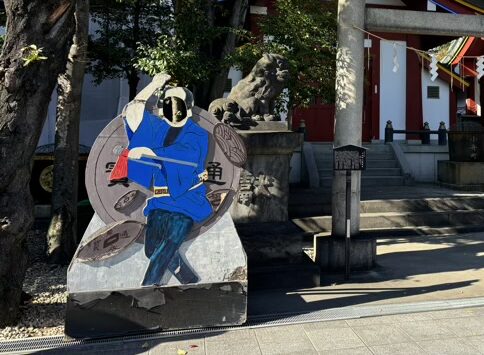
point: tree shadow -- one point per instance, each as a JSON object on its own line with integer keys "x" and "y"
{"x": 459, "y": 253}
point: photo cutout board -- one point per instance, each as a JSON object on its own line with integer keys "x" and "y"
{"x": 161, "y": 184}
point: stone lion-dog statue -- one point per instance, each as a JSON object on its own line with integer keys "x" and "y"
{"x": 253, "y": 98}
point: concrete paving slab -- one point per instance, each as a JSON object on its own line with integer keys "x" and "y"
{"x": 425, "y": 330}
{"x": 352, "y": 351}
{"x": 249, "y": 347}
{"x": 234, "y": 335}
{"x": 234, "y": 342}
{"x": 284, "y": 340}
{"x": 477, "y": 342}
{"x": 452, "y": 346}
{"x": 192, "y": 346}
{"x": 397, "y": 318}
{"x": 455, "y": 313}
{"x": 293, "y": 347}
{"x": 334, "y": 338}
{"x": 381, "y": 334}
{"x": 397, "y": 349}
{"x": 325, "y": 325}
{"x": 463, "y": 327}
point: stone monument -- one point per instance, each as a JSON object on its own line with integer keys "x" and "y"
{"x": 161, "y": 252}
{"x": 264, "y": 184}
{"x": 465, "y": 168}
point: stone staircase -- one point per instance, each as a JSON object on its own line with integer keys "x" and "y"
{"x": 387, "y": 202}
{"x": 382, "y": 166}
{"x": 450, "y": 212}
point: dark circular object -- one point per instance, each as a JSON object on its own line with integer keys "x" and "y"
{"x": 110, "y": 240}
{"x": 126, "y": 200}
{"x": 231, "y": 144}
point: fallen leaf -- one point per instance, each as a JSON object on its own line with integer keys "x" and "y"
{"x": 193, "y": 346}
{"x": 181, "y": 352}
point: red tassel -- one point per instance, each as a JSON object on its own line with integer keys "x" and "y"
{"x": 120, "y": 171}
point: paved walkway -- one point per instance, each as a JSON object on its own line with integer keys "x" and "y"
{"x": 410, "y": 269}
{"x": 457, "y": 331}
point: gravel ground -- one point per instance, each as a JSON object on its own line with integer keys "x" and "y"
{"x": 43, "y": 314}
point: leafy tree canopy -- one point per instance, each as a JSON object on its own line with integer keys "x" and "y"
{"x": 120, "y": 26}
{"x": 305, "y": 33}
{"x": 193, "y": 51}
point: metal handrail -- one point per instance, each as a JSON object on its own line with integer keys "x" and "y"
{"x": 424, "y": 133}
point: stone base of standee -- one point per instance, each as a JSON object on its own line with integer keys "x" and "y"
{"x": 106, "y": 298}
{"x": 463, "y": 175}
{"x": 264, "y": 183}
{"x": 330, "y": 252}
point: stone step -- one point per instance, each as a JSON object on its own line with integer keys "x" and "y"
{"x": 368, "y": 181}
{"x": 317, "y": 202}
{"x": 367, "y": 172}
{"x": 325, "y": 147}
{"x": 373, "y": 163}
{"x": 284, "y": 276}
{"x": 398, "y": 220}
{"x": 276, "y": 257}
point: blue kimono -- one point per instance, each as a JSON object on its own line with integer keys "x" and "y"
{"x": 191, "y": 145}
{"x": 181, "y": 197}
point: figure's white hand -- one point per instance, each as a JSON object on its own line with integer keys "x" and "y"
{"x": 136, "y": 153}
{"x": 161, "y": 79}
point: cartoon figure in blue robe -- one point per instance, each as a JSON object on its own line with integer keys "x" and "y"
{"x": 167, "y": 154}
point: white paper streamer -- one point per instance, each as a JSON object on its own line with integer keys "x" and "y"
{"x": 396, "y": 66}
{"x": 433, "y": 68}
{"x": 480, "y": 67}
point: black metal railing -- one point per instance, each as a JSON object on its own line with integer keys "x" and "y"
{"x": 424, "y": 133}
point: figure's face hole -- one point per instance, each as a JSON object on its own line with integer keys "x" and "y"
{"x": 174, "y": 109}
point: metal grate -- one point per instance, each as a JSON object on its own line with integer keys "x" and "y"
{"x": 269, "y": 320}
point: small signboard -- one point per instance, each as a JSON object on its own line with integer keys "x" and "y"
{"x": 349, "y": 157}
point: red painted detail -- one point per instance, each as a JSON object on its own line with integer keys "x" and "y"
{"x": 414, "y": 110}
{"x": 375, "y": 89}
{"x": 452, "y": 108}
{"x": 254, "y": 25}
{"x": 471, "y": 105}
{"x": 464, "y": 50}
{"x": 481, "y": 83}
{"x": 319, "y": 120}
{"x": 367, "y": 124}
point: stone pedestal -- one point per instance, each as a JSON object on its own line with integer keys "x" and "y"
{"x": 330, "y": 252}
{"x": 105, "y": 297}
{"x": 264, "y": 182}
{"x": 461, "y": 175}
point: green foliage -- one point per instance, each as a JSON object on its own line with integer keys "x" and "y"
{"x": 32, "y": 54}
{"x": 121, "y": 26}
{"x": 305, "y": 33}
{"x": 191, "y": 52}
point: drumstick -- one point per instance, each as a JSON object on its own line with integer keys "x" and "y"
{"x": 170, "y": 160}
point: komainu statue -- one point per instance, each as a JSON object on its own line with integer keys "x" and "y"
{"x": 253, "y": 98}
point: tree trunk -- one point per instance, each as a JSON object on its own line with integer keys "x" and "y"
{"x": 62, "y": 234}
{"x": 237, "y": 21}
{"x": 133, "y": 80}
{"x": 25, "y": 92}
{"x": 133, "y": 77}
